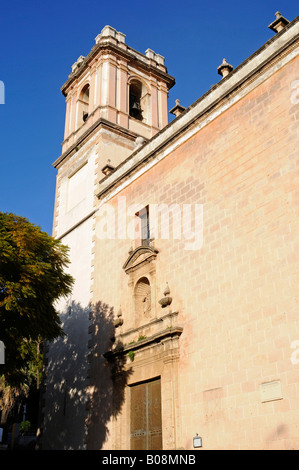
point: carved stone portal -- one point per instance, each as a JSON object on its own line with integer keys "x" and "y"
{"x": 149, "y": 351}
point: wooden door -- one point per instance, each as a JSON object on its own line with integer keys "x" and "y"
{"x": 146, "y": 419}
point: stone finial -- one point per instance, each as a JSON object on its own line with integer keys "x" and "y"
{"x": 108, "y": 168}
{"x": 78, "y": 63}
{"x": 160, "y": 59}
{"x": 150, "y": 54}
{"x": 119, "y": 320}
{"x": 224, "y": 69}
{"x": 139, "y": 142}
{"x": 121, "y": 37}
{"x": 167, "y": 290}
{"x": 177, "y": 109}
{"x": 110, "y": 33}
{"x": 279, "y": 23}
{"x": 166, "y": 300}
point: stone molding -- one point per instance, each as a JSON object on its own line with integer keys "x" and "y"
{"x": 129, "y": 54}
{"x": 142, "y": 254}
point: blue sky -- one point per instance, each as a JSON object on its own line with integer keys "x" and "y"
{"x": 40, "y": 40}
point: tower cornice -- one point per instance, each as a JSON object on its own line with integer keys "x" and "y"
{"x": 129, "y": 54}
{"x": 100, "y": 123}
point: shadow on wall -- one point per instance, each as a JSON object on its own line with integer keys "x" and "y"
{"x": 64, "y": 383}
{"x": 108, "y": 379}
{"x": 71, "y": 417}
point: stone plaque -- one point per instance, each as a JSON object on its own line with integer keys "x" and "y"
{"x": 270, "y": 391}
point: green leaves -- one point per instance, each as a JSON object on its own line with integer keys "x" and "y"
{"x": 32, "y": 278}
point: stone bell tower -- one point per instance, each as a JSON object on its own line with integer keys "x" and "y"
{"x": 117, "y": 84}
{"x": 116, "y": 99}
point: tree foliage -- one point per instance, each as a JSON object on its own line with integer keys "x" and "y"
{"x": 32, "y": 279}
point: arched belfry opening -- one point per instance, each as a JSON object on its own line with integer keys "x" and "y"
{"x": 135, "y": 91}
{"x": 138, "y": 101}
{"x": 83, "y": 105}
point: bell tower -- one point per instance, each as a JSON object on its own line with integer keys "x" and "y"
{"x": 115, "y": 98}
{"x": 118, "y": 84}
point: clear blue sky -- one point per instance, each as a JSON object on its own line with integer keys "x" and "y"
{"x": 40, "y": 40}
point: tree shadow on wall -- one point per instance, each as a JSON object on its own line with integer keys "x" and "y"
{"x": 81, "y": 386}
{"x": 107, "y": 378}
{"x": 64, "y": 383}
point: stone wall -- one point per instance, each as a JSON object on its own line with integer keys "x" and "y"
{"x": 236, "y": 295}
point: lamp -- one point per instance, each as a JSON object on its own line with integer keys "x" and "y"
{"x": 197, "y": 441}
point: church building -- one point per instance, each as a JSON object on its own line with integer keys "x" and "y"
{"x": 182, "y": 329}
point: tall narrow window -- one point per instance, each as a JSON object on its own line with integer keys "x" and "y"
{"x": 143, "y": 216}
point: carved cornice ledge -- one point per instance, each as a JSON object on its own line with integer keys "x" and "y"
{"x": 168, "y": 333}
